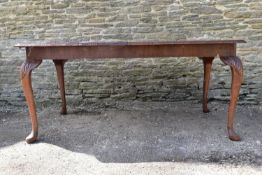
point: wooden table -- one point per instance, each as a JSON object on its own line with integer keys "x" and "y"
{"x": 61, "y": 52}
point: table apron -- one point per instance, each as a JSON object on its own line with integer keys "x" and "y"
{"x": 131, "y": 51}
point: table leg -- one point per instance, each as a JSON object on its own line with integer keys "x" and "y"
{"x": 25, "y": 76}
{"x": 207, "y": 70}
{"x": 237, "y": 77}
{"x": 59, "y": 64}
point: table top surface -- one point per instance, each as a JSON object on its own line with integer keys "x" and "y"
{"x": 125, "y": 43}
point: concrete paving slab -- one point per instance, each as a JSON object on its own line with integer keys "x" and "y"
{"x": 133, "y": 138}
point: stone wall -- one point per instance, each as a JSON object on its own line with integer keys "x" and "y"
{"x": 165, "y": 79}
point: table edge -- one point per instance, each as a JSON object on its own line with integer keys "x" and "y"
{"x": 126, "y": 43}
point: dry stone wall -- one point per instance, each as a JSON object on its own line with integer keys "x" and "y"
{"x": 152, "y": 79}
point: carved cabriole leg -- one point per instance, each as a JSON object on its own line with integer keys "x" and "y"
{"x": 59, "y": 64}
{"x": 207, "y": 70}
{"x": 25, "y": 76}
{"x": 237, "y": 77}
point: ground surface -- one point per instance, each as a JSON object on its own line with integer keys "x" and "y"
{"x": 134, "y": 138}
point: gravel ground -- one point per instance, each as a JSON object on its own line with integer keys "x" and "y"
{"x": 133, "y": 138}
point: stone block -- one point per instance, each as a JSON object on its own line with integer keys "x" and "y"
{"x": 154, "y": 79}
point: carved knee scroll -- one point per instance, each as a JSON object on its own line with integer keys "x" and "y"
{"x": 235, "y": 63}
{"x": 25, "y": 75}
{"x": 28, "y": 66}
{"x": 237, "y": 78}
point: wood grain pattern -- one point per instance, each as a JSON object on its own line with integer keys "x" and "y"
{"x": 130, "y": 51}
